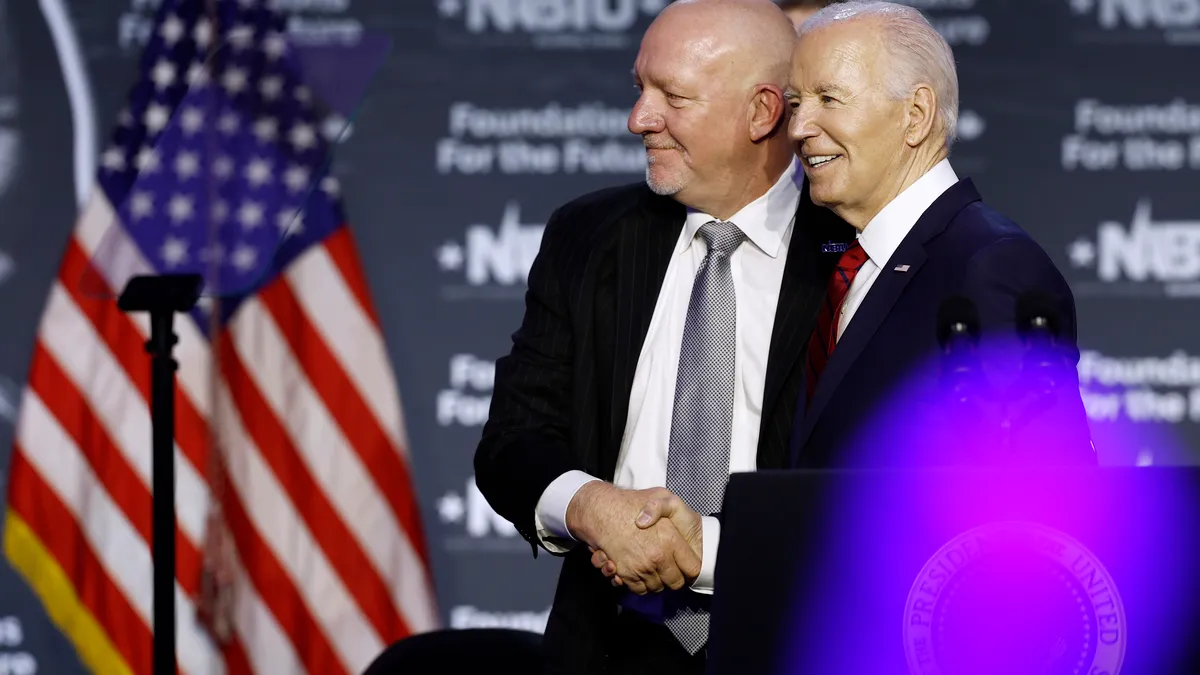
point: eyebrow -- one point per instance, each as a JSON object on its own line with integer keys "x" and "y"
{"x": 669, "y": 83}
{"x": 831, "y": 89}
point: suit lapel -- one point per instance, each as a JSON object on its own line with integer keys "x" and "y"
{"x": 805, "y": 279}
{"x": 643, "y": 251}
{"x": 873, "y": 310}
{"x": 884, "y": 293}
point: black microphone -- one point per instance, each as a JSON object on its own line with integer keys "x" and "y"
{"x": 957, "y": 323}
{"x": 1038, "y": 319}
{"x": 1038, "y": 325}
{"x": 958, "y": 336}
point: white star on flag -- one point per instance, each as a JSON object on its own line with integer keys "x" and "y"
{"x": 187, "y": 165}
{"x": 234, "y": 81}
{"x": 274, "y": 46}
{"x": 163, "y": 74}
{"x": 174, "y": 251}
{"x": 250, "y": 214}
{"x": 202, "y": 33}
{"x": 147, "y": 160}
{"x": 228, "y": 124}
{"x": 244, "y": 257}
{"x": 141, "y": 204}
{"x": 180, "y": 208}
{"x": 296, "y": 178}
{"x": 303, "y": 137}
{"x": 157, "y": 117}
{"x": 171, "y": 30}
{"x": 191, "y": 120}
{"x": 271, "y": 87}
{"x": 266, "y": 129}
{"x": 113, "y": 159}
{"x": 258, "y": 172}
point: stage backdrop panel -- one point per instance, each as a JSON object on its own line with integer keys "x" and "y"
{"x": 1079, "y": 120}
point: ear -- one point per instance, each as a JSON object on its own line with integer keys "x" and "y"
{"x": 922, "y": 115}
{"x": 767, "y": 110}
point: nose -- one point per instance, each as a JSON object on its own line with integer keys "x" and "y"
{"x": 803, "y": 125}
{"x": 644, "y": 119}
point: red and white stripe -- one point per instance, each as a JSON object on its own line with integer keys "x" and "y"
{"x": 331, "y": 562}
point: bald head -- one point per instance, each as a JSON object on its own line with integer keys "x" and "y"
{"x": 711, "y": 111}
{"x": 751, "y": 41}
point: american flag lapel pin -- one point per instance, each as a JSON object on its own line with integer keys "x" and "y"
{"x": 900, "y": 268}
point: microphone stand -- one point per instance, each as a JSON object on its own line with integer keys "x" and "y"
{"x": 990, "y": 410}
{"x": 1036, "y": 389}
{"x": 162, "y": 296}
{"x": 1038, "y": 383}
{"x": 963, "y": 383}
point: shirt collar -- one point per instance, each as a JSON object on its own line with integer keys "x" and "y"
{"x": 882, "y": 236}
{"x": 764, "y": 220}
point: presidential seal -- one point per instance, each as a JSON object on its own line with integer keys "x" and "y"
{"x": 1014, "y": 597}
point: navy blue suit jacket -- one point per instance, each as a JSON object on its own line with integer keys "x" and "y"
{"x": 879, "y": 401}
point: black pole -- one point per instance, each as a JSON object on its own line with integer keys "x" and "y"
{"x": 162, "y": 393}
{"x": 162, "y": 297}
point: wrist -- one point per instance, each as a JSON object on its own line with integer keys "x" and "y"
{"x": 580, "y": 506}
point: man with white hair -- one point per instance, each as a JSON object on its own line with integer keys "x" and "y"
{"x": 874, "y": 102}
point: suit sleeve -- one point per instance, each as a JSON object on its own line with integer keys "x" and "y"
{"x": 1055, "y": 430}
{"x": 526, "y": 442}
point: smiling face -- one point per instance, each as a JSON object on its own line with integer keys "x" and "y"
{"x": 689, "y": 113}
{"x": 847, "y": 130}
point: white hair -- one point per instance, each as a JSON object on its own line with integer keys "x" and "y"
{"x": 919, "y": 53}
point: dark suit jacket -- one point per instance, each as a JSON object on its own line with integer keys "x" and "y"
{"x": 878, "y": 402}
{"x": 561, "y": 396}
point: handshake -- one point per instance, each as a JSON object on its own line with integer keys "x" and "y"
{"x": 643, "y": 539}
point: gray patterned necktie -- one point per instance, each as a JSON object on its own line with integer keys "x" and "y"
{"x": 702, "y": 423}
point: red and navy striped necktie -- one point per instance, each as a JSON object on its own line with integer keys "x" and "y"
{"x": 820, "y": 345}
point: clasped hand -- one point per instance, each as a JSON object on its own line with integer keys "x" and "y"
{"x": 646, "y": 540}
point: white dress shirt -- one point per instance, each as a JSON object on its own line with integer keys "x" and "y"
{"x": 757, "y": 268}
{"x": 882, "y": 236}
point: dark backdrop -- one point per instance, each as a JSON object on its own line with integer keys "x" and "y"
{"x": 1081, "y": 120}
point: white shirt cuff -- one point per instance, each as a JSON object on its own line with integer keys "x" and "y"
{"x": 550, "y": 516}
{"x": 711, "y": 536}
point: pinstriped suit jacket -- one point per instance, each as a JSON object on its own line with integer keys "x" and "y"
{"x": 561, "y": 395}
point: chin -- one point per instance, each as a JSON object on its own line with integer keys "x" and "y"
{"x": 822, "y": 197}
{"x": 663, "y": 183}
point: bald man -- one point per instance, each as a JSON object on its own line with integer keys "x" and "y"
{"x": 661, "y": 345}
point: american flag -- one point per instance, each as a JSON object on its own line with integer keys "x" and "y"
{"x": 291, "y": 447}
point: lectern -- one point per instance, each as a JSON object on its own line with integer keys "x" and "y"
{"x": 1084, "y": 571}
